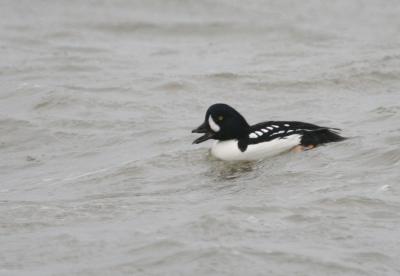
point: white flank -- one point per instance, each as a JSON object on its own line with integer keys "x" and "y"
{"x": 275, "y": 126}
{"x": 229, "y": 151}
{"x": 270, "y": 128}
{"x": 259, "y": 133}
{"x": 264, "y": 130}
{"x": 213, "y": 125}
{"x": 253, "y": 135}
{"x": 291, "y": 130}
{"x": 286, "y": 125}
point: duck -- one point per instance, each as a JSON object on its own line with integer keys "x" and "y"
{"x": 236, "y": 140}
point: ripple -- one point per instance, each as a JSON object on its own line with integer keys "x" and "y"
{"x": 190, "y": 28}
{"x": 387, "y": 110}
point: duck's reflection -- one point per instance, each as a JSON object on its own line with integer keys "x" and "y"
{"x": 222, "y": 170}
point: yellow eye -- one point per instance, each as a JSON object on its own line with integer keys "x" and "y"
{"x": 220, "y": 118}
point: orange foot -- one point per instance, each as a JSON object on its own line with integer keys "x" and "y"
{"x": 301, "y": 148}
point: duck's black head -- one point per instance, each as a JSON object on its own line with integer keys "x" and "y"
{"x": 222, "y": 122}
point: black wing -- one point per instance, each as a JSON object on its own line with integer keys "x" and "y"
{"x": 311, "y": 134}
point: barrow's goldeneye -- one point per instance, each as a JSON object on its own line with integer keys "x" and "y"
{"x": 237, "y": 140}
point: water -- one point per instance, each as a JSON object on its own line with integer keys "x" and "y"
{"x": 98, "y": 174}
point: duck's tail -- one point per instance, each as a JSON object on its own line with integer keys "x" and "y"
{"x": 321, "y": 136}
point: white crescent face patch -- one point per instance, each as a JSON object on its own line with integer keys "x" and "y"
{"x": 213, "y": 124}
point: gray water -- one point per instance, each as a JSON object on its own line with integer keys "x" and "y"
{"x": 97, "y": 172}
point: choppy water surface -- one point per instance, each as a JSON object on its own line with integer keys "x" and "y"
{"x": 98, "y": 174}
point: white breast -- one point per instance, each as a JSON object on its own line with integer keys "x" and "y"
{"x": 229, "y": 151}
